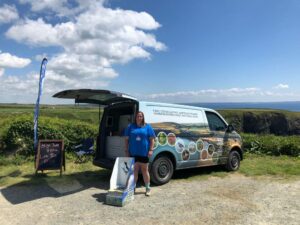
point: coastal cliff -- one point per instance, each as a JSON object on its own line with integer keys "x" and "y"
{"x": 263, "y": 121}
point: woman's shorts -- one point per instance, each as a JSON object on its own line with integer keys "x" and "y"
{"x": 141, "y": 159}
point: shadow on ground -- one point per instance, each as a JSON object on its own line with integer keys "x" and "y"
{"x": 200, "y": 171}
{"x": 100, "y": 197}
{"x": 40, "y": 185}
{"x": 15, "y": 173}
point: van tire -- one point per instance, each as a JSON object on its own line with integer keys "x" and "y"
{"x": 162, "y": 170}
{"x": 234, "y": 160}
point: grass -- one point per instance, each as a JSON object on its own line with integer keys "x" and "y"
{"x": 253, "y": 165}
{"x": 258, "y": 165}
{"x": 15, "y": 171}
{"x": 69, "y": 112}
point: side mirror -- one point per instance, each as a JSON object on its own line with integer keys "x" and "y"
{"x": 229, "y": 128}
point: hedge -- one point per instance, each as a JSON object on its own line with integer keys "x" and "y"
{"x": 271, "y": 144}
{"x": 19, "y": 135}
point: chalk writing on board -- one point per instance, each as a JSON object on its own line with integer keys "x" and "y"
{"x": 50, "y": 155}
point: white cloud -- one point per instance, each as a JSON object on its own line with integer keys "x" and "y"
{"x": 8, "y": 60}
{"x": 222, "y": 95}
{"x": 62, "y": 8}
{"x": 25, "y": 31}
{"x": 13, "y": 85}
{"x": 92, "y": 41}
{"x": 40, "y": 57}
{"x": 1, "y": 72}
{"x": 40, "y": 5}
{"x": 82, "y": 67}
{"x": 8, "y": 13}
{"x": 208, "y": 92}
{"x": 281, "y": 86}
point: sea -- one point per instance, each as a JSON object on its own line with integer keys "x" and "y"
{"x": 293, "y": 106}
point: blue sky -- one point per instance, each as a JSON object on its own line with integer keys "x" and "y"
{"x": 169, "y": 51}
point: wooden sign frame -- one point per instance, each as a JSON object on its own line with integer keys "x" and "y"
{"x": 62, "y": 159}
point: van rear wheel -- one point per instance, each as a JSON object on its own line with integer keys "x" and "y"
{"x": 162, "y": 170}
{"x": 234, "y": 160}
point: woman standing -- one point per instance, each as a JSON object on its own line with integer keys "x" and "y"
{"x": 139, "y": 144}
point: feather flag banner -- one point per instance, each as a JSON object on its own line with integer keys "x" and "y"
{"x": 37, "y": 105}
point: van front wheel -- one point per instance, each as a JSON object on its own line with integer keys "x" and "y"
{"x": 161, "y": 170}
{"x": 233, "y": 162}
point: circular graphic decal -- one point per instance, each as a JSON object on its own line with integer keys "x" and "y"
{"x": 192, "y": 147}
{"x": 171, "y": 139}
{"x": 200, "y": 145}
{"x": 179, "y": 145}
{"x": 215, "y": 157}
{"x": 204, "y": 154}
{"x": 155, "y": 143}
{"x": 162, "y": 138}
{"x": 211, "y": 149}
{"x": 185, "y": 155}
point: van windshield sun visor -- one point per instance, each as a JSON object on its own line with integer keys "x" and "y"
{"x": 102, "y": 97}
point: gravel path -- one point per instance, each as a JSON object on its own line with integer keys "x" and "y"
{"x": 235, "y": 199}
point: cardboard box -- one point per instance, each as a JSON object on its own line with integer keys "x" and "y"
{"x": 122, "y": 183}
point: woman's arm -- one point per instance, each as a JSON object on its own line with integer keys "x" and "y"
{"x": 151, "y": 146}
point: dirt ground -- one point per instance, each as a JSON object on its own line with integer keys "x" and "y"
{"x": 234, "y": 199}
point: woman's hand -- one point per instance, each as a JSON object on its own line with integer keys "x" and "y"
{"x": 150, "y": 153}
{"x": 151, "y": 146}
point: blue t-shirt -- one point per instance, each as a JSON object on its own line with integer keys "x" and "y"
{"x": 139, "y": 142}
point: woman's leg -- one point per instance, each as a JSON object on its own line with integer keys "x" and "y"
{"x": 146, "y": 176}
{"x": 137, "y": 167}
{"x": 145, "y": 172}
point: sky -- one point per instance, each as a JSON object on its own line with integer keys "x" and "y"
{"x": 162, "y": 51}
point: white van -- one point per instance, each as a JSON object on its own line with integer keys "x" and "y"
{"x": 186, "y": 136}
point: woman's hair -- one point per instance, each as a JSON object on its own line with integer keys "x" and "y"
{"x": 143, "y": 121}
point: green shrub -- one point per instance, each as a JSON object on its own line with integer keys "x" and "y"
{"x": 19, "y": 135}
{"x": 271, "y": 144}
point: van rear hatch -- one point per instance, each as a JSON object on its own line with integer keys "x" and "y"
{"x": 101, "y": 97}
{"x": 106, "y": 99}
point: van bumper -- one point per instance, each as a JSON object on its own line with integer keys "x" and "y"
{"x": 104, "y": 163}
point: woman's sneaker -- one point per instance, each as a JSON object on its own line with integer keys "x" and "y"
{"x": 148, "y": 192}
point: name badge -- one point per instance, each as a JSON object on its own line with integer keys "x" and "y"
{"x": 138, "y": 138}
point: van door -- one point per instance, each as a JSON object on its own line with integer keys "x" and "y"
{"x": 217, "y": 139}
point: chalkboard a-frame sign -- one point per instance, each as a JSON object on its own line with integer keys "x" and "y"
{"x": 50, "y": 155}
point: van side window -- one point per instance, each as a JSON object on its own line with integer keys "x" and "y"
{"x": 215, "y": 122}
